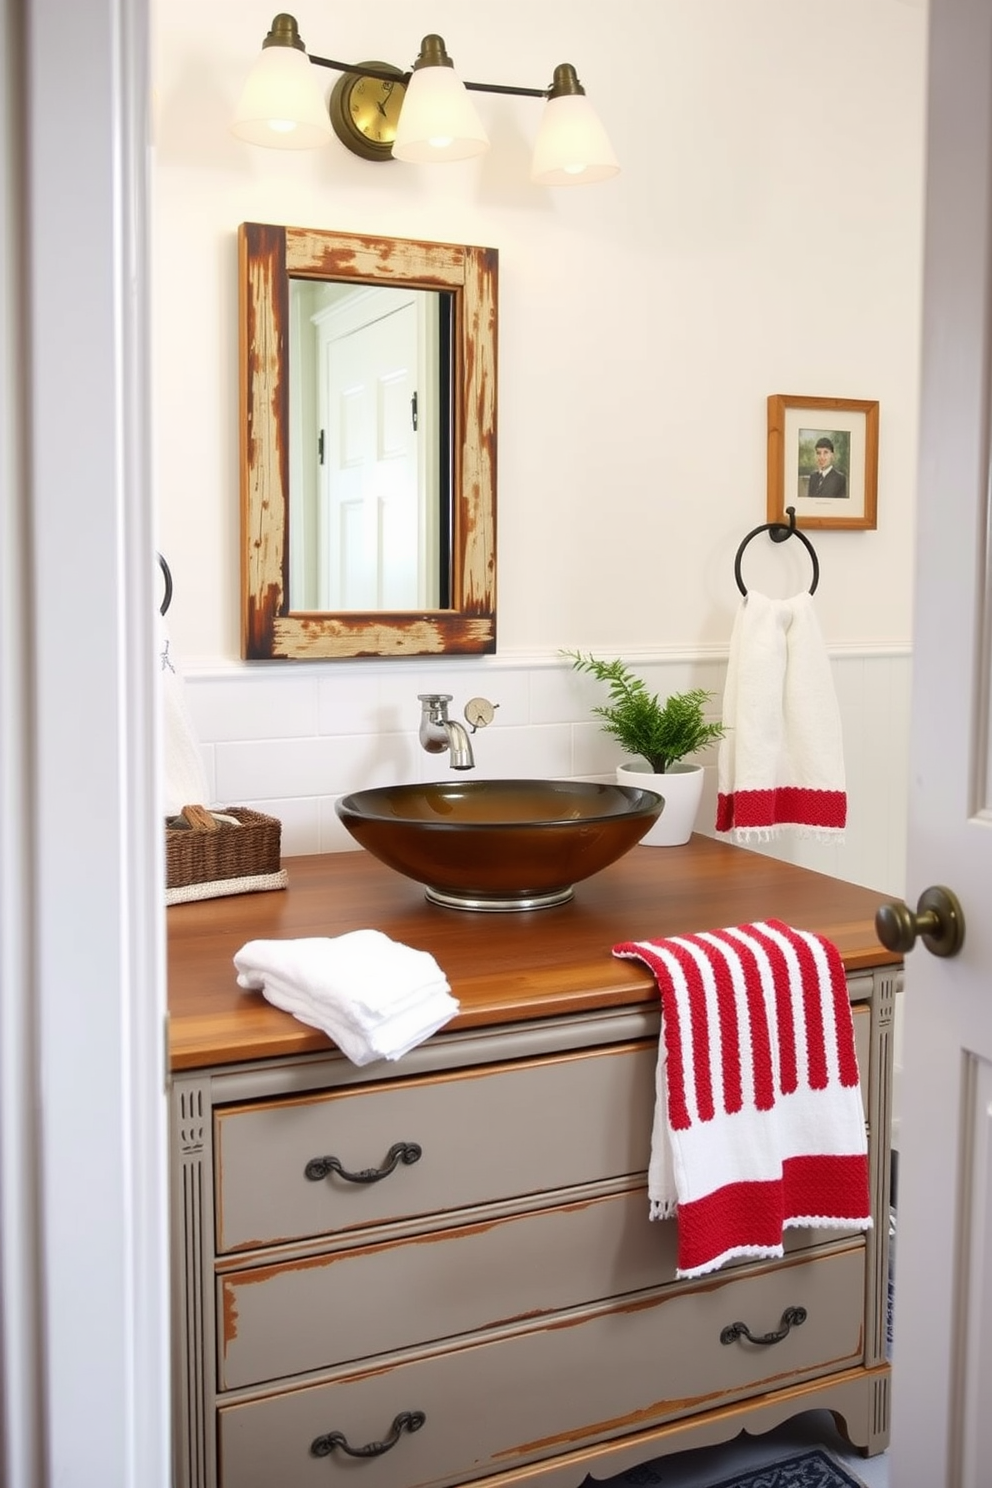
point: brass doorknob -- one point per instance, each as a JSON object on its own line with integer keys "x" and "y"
{"x": 938, "y": 921}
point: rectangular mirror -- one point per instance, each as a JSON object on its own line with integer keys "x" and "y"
{"x": 370, "y": 513}
{"x": 368, "y": 445}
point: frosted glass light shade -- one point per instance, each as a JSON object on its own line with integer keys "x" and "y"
{"x": 281, "y": 104}
{"x": 438, "y": 120}
{"x": 572, "y": 148}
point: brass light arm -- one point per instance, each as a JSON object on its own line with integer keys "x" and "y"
{"x": 367, "y": 70}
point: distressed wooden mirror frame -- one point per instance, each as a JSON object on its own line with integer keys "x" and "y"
{"x": 268, "y": 257}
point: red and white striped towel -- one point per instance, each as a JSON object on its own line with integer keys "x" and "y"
{"x": 759, "y": 1125}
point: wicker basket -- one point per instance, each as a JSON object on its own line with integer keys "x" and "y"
{"x": 245, "y": 851}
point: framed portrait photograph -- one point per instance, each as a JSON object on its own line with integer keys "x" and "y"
{"x": 823, "y": 461}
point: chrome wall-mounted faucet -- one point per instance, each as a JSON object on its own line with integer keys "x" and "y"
{"x": 438, "y": 732}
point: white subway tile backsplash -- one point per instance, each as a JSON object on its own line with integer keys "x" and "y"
{"x": 710, "y": 674}
{"x": 315, "y": 766}
{"x": 507, "y": 687}
{"x": 300, "y": 822}
{"x": 593, "y": 751}
{"x": 252, "y": 707}
{"x": 560, "y": 695}
{"x": 352, "y": 703}
{"x": 706, "y": 816}
{"x": 822, "y": 857}
{"x": 290, "y": 744}
{"x": 849, "y": 682}
{"x": 662, "y": 678}
{"x": 511, "y": 753}
{"x": 207, "y": 754}
{"x": 332, "y": 836}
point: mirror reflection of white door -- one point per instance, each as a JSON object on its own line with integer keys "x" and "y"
{"x": 371, "y": 517}
{"x": 942, "y": 1402}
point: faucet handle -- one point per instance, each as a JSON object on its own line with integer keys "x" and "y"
{"x": 479, "y": 713}
{"x": 434, "y": 697}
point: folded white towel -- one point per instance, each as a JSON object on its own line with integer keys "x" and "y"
{"x": 390, "y": 1040}
{"x": 375, "y": 997}
{"x": 781, "y": 763}
{"x": 371, "y": 973}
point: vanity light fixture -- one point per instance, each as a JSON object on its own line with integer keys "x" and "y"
{"x": 424, "y": 115}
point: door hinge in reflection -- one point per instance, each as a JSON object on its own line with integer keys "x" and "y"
{"x": 413, "y": 412}
{"x": 320, "y": 447}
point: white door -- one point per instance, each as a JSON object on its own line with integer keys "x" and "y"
{"x": 942, "y": 1407}
{"x": 370, "y": 544}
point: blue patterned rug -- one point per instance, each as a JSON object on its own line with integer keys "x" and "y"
{"x": 812, "y": 1469}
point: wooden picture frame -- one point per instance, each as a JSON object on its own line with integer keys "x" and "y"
{"x": 271, "y": 629}
{"x": 823, "y": 461}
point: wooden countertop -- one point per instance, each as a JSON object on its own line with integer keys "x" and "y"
{"x": 501, "y": 967}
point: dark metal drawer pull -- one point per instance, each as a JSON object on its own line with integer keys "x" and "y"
{"x": 792, "y": 1317}
{"x": 323, "y": 1446}
{"x": 400, "y": 1152}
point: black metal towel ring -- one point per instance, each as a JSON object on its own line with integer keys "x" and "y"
{"x": 778, "y": 532}
{"x": 167, "y": 576}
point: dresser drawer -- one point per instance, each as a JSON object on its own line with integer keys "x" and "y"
{"x": 277, "y": 1321}
{"x": 582, "y": 1376}
{"x": 488, "y": 1133}
{"x": 309, "y": 1314}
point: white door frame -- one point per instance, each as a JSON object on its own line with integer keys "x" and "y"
{"x": 83, "y": 1215}
{"x": 942, "y": 1430}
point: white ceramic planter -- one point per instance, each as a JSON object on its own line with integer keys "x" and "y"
{"x": 681, "y": 788}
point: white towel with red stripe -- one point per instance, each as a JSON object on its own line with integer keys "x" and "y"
{"x": 759, "y": 1124}
{"x": 780, "y": 768}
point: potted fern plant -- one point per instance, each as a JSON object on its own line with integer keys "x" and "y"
{"x": 658, "y": 736}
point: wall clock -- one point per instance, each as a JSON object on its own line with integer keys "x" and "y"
{"x": 364, "y": 110}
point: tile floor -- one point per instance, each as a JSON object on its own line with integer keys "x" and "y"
{"x": 709, "y": 1465}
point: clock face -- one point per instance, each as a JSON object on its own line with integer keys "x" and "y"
{"x": 364, "y": 110}
{"x": 375, "y": 107}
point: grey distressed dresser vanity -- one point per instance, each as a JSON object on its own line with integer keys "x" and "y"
{"x": 441, "y": 1270}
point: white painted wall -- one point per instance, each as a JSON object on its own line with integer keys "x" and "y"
{"x": 763, "y": 237}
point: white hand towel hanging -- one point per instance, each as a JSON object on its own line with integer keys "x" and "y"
{"x": 781, "y": 764}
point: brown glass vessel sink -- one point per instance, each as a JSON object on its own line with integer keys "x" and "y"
{"x": 499, "y": 844}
